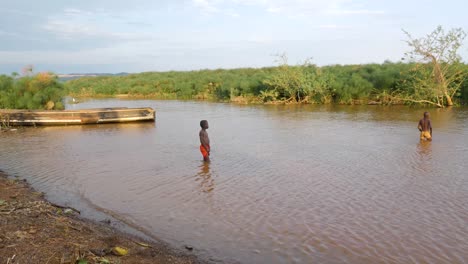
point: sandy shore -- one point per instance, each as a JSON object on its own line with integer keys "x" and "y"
{"x": 33, "y": 230}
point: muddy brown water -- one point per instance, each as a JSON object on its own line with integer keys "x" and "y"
{"x": 287, "y": 184}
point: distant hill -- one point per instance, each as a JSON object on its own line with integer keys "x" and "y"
{"x": 72, "y": 76}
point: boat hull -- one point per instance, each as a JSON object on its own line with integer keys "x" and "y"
{"x": 76, "y": 117}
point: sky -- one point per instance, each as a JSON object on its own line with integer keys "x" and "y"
{"x": 111, "y": 36}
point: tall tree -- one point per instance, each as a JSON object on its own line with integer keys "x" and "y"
{"x": 437, "y": 75}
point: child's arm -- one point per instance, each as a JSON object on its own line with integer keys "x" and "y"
{"x": 207, "y": 144}
{"x": 205, "y": 141}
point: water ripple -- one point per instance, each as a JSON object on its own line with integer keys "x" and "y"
{"x": 287, "y": 184}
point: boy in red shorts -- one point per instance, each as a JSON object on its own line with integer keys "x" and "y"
{"x": 204, "y": 140}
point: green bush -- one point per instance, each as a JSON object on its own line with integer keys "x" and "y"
{"x": 308, "y": 83}
{"x": 34, "y": 92}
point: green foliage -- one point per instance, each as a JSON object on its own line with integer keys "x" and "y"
{"x": 291, "y": 83}
{"x": 204, "y": 84}
{"x": 462, "y": 95}
{"x": 353, "y": 83}
{"x": 35, "y": 92}
{"x": 438, "y": 72}
{"x": 307, "y": 83}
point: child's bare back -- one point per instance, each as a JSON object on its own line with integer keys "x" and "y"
{"x": 425, "y": 127}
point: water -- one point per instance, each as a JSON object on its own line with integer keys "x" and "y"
{"x": 287, "y": 184}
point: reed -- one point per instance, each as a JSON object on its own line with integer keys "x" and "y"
{"x": 305, "y": 83}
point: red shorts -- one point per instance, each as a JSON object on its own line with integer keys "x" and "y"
{"x": 204, "y": 151}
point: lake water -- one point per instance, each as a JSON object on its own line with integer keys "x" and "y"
{"x": 287, "y": 184}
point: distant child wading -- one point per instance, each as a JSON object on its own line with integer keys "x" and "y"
{"x": 204, "y": 140}
{"x": 425, "y": 127}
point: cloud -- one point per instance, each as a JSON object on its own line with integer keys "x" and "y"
{"x": 219, "y": 7}
{"x": 273, "y": 9}
{"x": 7, "y": 33}
{"x": 356, "y": 12}
{"x": 333, "y": 26}
{"x": 297, "y": 7}
{"x": 76, "y": 24}
{"x": 208, "y": 6}
{"x": 114, "y": 33}
{"x": 120, "y": 52}
{"x": 70, "y": 30}
{"x": 73, "y": 23}
{"x": 328, "y": 26}
{"x": 289, "y": 7}
{"x": 73, "y": 11}
{"x": 18, "y": 12}
{"x": 232, "y": 13}
{"x": 331, "y": 7}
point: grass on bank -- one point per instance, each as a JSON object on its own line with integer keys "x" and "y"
{"x": 307, "y": 83}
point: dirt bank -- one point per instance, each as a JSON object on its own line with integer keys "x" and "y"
{"x": 32, "y": 230}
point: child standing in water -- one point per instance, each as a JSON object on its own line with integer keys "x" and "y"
{"x": 205, "y": 141}
{"x": 425, "y": 127}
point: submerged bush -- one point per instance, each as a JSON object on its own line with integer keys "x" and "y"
{"x": 307, "y": 83}
{"x": 41, "y": 91}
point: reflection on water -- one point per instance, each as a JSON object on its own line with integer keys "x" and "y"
{"x": 423, "y": 157}
{"x": 287, "y": 184}
{"x": 206, "y": 182}
{"x": 424, "y": 148}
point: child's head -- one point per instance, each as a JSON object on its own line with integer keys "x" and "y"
{"x": 426, "y": 114}
{"x": 204, "y": 124}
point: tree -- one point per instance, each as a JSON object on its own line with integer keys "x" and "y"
{"x": 438, "y": 73}
{"x": 291, "y": 84}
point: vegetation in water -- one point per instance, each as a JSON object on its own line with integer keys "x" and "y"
{"x": 39, "y": 91}
{"x": 4, "y": 122}
{"x": 438, "y": 76}
{"x": 387, "y": 83}
{"x": 434, "y": 74}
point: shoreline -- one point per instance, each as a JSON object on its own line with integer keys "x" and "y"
{"x": 240, "y": 100}
{"x": 34, "y": 230}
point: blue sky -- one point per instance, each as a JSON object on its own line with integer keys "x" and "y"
{"x": 136, "y": 36}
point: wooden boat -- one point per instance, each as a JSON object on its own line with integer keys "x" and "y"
{"x": 75, "y": 117}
